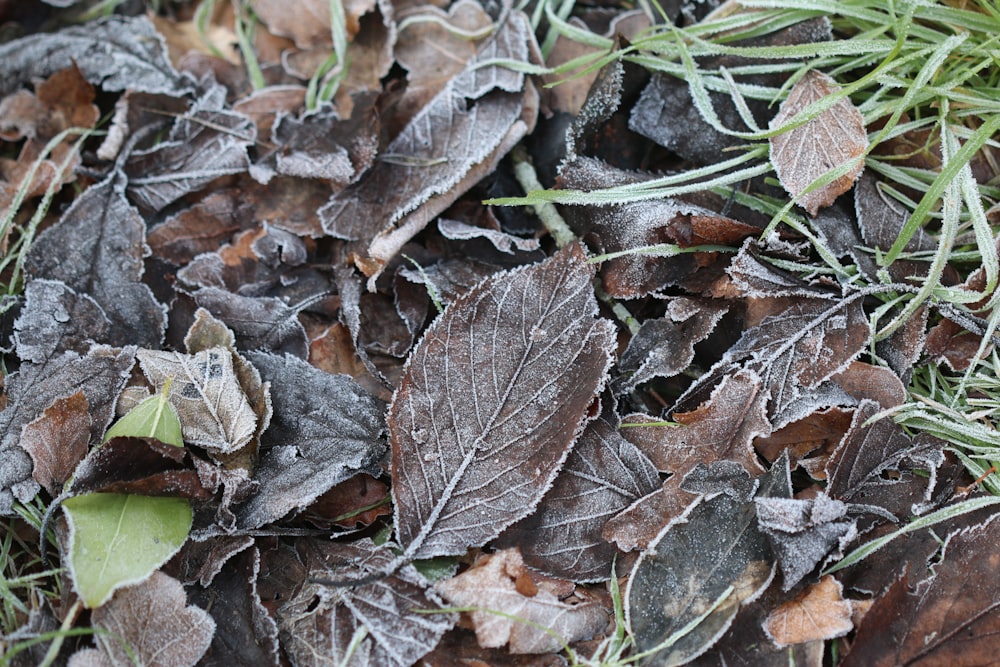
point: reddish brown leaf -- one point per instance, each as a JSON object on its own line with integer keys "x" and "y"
{"x": 817, "y": 613}
{"x": 491, "y": 401}
{"x": 57, "y": 441}
{"x": 358, "y": 501}
{"x": 833, "y": 139}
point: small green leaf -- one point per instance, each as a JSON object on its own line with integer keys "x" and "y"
{"x": 118, "y": 539}
{"x": 154, "y": 417}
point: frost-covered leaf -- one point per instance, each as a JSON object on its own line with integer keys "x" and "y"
{"x": 603, "y": 475}
{"x": 58, "y": 440}
{"x": 212, "y": 407}
{"x": 833, "y": 139}
{"x": 457, "y": 231}
{"x": 491, "y": 401}
{"x": 97, "y": 248}
{"x": 114, "y": 53}
{"x": 500, "y": 583}
{"x": 204, "y": 144}
{"x": 950, "y": 618}
{"x": 802, "y": 532}
{"x": 881, "y": 465}
{"x": 100, "y": 375}
{"x": 818, "y": 613}
{"x": 152, "y": 624}
{"x": 714, "y": 556}
{"x": 56, "y": 319}
{"x": 117, "y": 539}
{"x": 260, "y": 323}
{"x": 325, "y": 428}
{"x": 455, "y": 140}
{"x": 728, "y": 477}
{"x": 318, "y": 624}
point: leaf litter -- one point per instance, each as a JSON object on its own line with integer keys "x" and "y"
{"x": 344, "y": 435}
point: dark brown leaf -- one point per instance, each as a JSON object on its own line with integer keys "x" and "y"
{"x": 833, "y": 139}
{"x": 57, "y": 441}
{"x": 500, "y": 582}
{"x": 260, "y": 323}
{"x": 463, "y": 131}
{"x": 153, "y": 622}
{"x": 491, "y": 401}
{"x": 950, "y": 618}
{"x": 603, "y": 475}
{"x": 318, "y": 624}
{"x": 96, "y": 248}
{"x": 325, "y": 429}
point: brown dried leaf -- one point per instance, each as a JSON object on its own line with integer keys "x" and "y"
{"x": 58, "y": 440}
{"x": 152, "y": 620}
{"x": 603, "y": 475}
{"x": 500, "y": 582}
{"x": 491, "y": 401}
{"x": 819, "y": 612}
{"x": 833, "y": 139}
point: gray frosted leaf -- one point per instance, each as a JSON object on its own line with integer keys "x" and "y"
{"x": 154, "y": 622}
{"x": 603, "y": 475}
{"x": 451, "y": 143}
{"x": 114, "y": 53}
{"x": 204, "y": 144}
{"x": 325, "y": 429}
{"x": 100, "y": 376}
{"x": 690, "y": 566}
{"x": 833, "y": 139}
{"x": 455, "y": 230}
{"x": 97, "y": 248}
{"x": 728, "y": 477}
{"x": 803, "y": 532}
{"x": 490, "y": 402}
{"x": 318, "y": 624}
{"x": 260, "y": 323}
{"x": 213, "y": 409}
{"x": 665, "y": 347}
{"x": 56, "y": 319}
{"x": 755, "y": 277}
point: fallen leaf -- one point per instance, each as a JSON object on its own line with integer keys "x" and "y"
{"x": 117, "y": 539}
{"x": 56, "y": 319}
{"x": 357, "y": 501}
{"x": 817, "y": 613}
{"x": 260, "y": 323}
{"x": 318, "y": 624}
{"x": 153, "y": 417}
{"x": 491, "y": 401}
{"x": 603, "y": 475}
{"x": 494, "y": 584}
{"x": 114, "y": 53}
{"x": 307, "y": 22}
{"x": 97, "y": 248}
{"x": 835, "y": 138}
{"x": 950, "y": 618}
{"x": 325, "y": 429}
{"x": 57, "y": 441}
{"x": 712, "y": 561}
{"x": 507, "y": 243}
{"x": 152, "y": 624}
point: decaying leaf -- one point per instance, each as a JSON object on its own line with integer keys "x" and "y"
{"x": 455, "y": 140}
{"x": 56, "y": 319}
{"x": 115, "y": 53}
{"x": 318, "y": 625}
{"x": 711, "y": 562}
{"x": 152, "y": 624}
{"x": 818, "y": 613}
{"x": 500, "y": 583}
{"x": 265, "y": 323}
{"x": 213, "y": 409}
{"x": 950, "y": 618}
{"x": 603, "y": 475}
{"x": 118, "y": 539}
{"x": 490, "y": 402}
{"x": 325, "y": 428}
{"x": 833, "y": 139}
{"x": 58, "y": 440}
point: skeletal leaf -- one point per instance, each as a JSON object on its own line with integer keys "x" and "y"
{"x": 833, "y": 139}
{"x": 117, "y": 539}
{"x": 152, "y": 624}
{"x": 490, "y": 402}
{"x": 213, "y": 409}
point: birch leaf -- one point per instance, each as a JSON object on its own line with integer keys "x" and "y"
{"x": 833, "y": 139}
{"x": 490, "y": 402}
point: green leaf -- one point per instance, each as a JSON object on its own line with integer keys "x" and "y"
{"x": 117, "y": 539}
{"x": 154, "y": 417}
